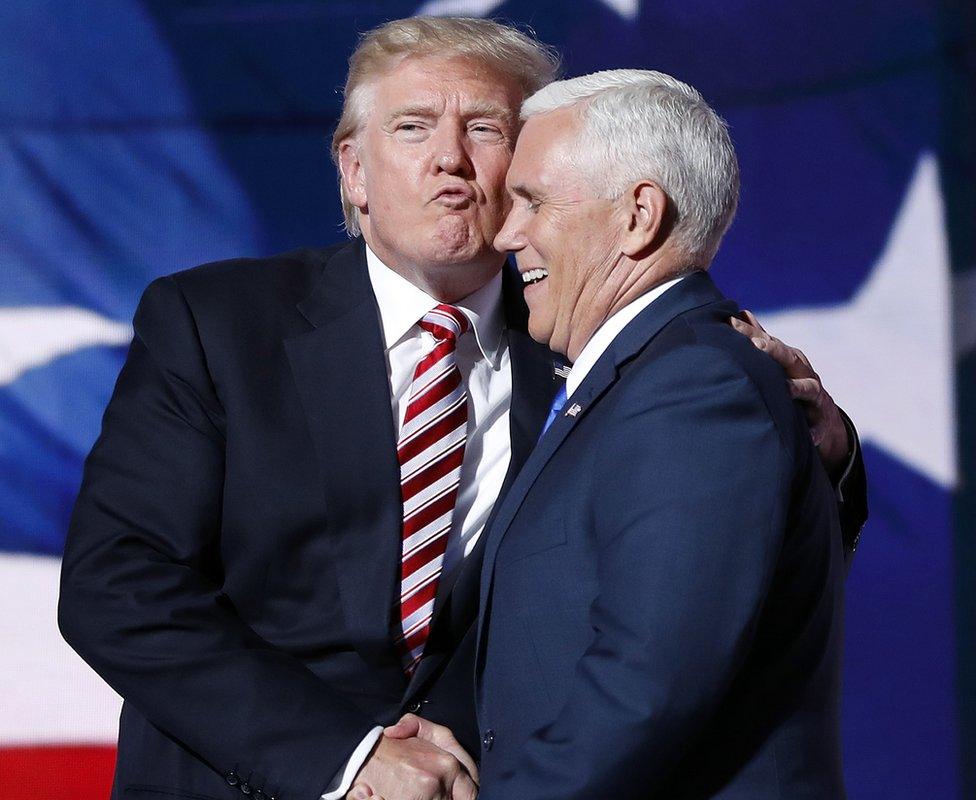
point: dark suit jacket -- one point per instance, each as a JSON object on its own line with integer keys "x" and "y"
{"x": 662, "y": 584}
{"x": 233, "y": 559}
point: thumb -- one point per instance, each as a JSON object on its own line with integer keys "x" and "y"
{"x": 406, "y": 728}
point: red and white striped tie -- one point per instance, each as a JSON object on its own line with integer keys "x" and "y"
{"x": 431, "y": 450}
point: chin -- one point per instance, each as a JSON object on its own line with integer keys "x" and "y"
{"x": 538, "y": 331}
{"x": 458, "y": 244}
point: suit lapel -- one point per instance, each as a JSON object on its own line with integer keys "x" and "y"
{"x": 534, "y": 383}
{"x": 694, "y": 291}
{"x": 340, "y": 371}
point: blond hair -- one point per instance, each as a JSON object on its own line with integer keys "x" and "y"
{"x": 506, "y": 51}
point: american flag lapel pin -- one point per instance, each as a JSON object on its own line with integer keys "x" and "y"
{"x": 560, "y": 370}
{"x": 573, "y": 410}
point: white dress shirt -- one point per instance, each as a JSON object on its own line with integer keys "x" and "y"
{"x": 483, "y": 360}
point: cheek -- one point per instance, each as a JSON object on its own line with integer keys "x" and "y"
{"x": 491, "y": 173}
{"x": 392, "y": 172}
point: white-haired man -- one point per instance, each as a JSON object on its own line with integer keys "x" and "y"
{"x": 662, "y": 586}
{"x": 277, "y": 544}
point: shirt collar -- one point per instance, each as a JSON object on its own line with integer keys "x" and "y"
{"x": 608, "y": 331}
{"x": 402, "y": 305}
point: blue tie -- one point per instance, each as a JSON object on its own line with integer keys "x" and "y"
{"x": 557, "y": 405}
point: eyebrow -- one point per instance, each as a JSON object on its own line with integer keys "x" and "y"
{"x": 491, "y": 110}
{"x": 522, "y": 190}
{"x": 416, "y": 110}
{"x": 474, "y": 110}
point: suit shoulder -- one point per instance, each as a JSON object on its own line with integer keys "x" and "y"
{"x": 289, "y": 276}
{"x": 699, "y": 355}
{"x": 704, "y": 335}
{"x": 242, "y": 298}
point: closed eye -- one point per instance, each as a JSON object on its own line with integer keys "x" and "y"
{"x": 532, "y": 203}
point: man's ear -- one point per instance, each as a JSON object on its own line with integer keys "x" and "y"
{"x": 646, "y": 206}
{"x": 353, "y": 173}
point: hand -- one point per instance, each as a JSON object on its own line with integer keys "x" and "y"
{"x": 413, "y": 769}
{"x": 827, "y": 427}
{"x": 410, "y": 725}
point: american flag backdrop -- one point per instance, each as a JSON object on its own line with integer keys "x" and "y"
{"x": 139, "y": 137}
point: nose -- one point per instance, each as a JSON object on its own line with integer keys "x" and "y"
{"x": 451, "y": 155}
{"x": 510, "y": 238}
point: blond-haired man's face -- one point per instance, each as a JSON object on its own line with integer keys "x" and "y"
{"x": 427, "y": 171}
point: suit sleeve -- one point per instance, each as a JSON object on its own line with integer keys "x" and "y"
{"x": 852, "y": 493}
{"x": 141, "y": 596}
{"x": 691, "y": 501}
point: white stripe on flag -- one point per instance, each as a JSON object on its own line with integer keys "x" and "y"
{"x": 50, "y": 695}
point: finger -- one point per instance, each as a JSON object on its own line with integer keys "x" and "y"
{"x": 787, "y": 357}
{"x": 408, "y": 726}
{"x": 449, "y": 744}
{"x": 800, "y": 355}
{"x": 464, "y": 788}
{"x": 445, "y": 740}
{"x": 806, "y": 389}
{"x": 751, "y": 318}
{"x": 744, "y": 327}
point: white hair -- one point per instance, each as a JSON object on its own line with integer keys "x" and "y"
{"x": 645, "y": 125}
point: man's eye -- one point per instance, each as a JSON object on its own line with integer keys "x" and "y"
{"x": 486, "y": 129}
{"x": 410, "y": 128}
{"x": 534, "y": 205}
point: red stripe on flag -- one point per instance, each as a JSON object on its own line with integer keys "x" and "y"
{"x": 56, "y": 773}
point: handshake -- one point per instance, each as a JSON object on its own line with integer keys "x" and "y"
{"x": 416, "y": 760}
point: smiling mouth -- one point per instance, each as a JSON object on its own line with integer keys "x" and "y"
{"x": 533, "y": 276}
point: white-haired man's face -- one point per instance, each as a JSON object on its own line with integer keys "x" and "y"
{"x": 427, "y": 172}
{"x": 565, "y": 238}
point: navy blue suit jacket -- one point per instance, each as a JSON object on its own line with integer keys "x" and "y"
{"x": 662, "y": 585}
{"x": 232, "y": 566}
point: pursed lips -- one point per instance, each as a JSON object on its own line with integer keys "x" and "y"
{"x": 455, "y": 196}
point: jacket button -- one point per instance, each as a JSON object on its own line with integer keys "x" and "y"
{"x": 414, "y": 707}
{"x": 246, "y": 787}
{"x": 488, "y": 739}
{"x": 232, "y": 779}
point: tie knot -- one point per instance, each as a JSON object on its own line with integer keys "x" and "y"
{"x": 445, "y": 322}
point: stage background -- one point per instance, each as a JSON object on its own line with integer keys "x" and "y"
{"x": 140, "y": 137}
